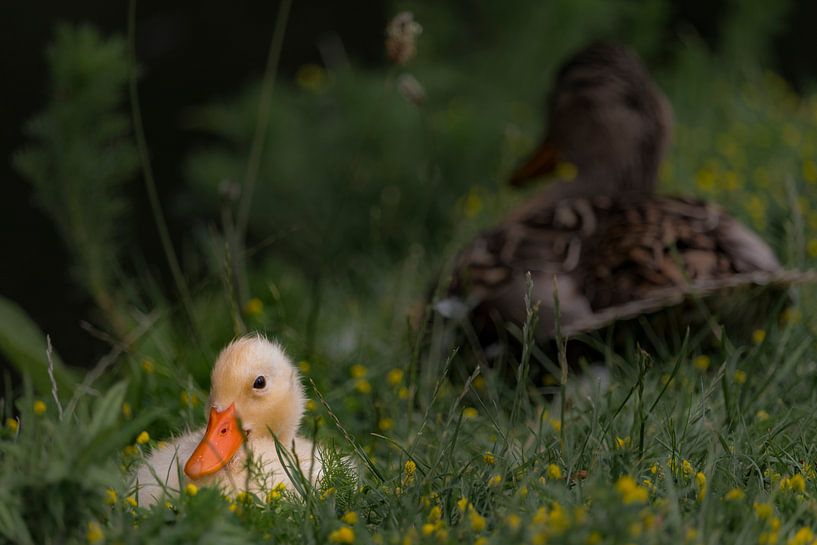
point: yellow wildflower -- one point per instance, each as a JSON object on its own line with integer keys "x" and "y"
{"x": 700, "y": 482}
{"x": 495, "y": 480}
{"x": 477, "y": 521}
{"x": 479, "y": 383}
{"x": 110, "y": 496}
{"x": 795, "y": 483}
{"x": 654, "y": 468}
{"x": 513, "y": 521}
{"x": 254, "y": 307}
{"x": 804, "y": 536}
{"x": 395, "y": 377}
{"x": 758, "y": 336}
{"x": 12, "y": 424}
{"x": 556, "y": 424}
{"x": 427, "y": 529}
{"x": 488, "y": 458}
{"x": 740, "y": 376}
{"x": 469, "y": 413}
{"x": 630, "y": 491}
{"x": 304, "y": 366}
{"x": 363, "y": 386}
{"x": 328, "y": 492}
{"x": 481, "y": 541}
{"x": 130, "y": 450}
{"x": 143, "y": 438}
{"x": 94, "y": 533}
{"x": 594, "y": 538}
{"x": 409, "y": 468}
{"x": 39, "y": 407}
{"x": 622, "y": 442}
{"x": 541, "y": 516}
{"x": 385, "y": 424}
{"x": 276, "y": 493}
{"x": 701, "y": 363}
{"x": 736, "y": 494}
{"x": 403, "y": 392}
{"x": 523, "y": 492}
{"x": 762, "y": 415}
{"x": 463, "y": 504}
{"x": 148, "y": 366}
{"x": 357, "y": 371}
{"x": 435, "y": 514}
{"x": 763, "y": 510}
{"x": 244, "y": 497}
{"x": 553, "y": 472}
{"x": 344, "y": 534}
{"x": 349, "y": 518}
{"x": 131, "y": 500}
{"x": 691, "y": 535}
{"x": 559, "y": 519}
{"x": 686, "y": 467}
{"x": 126, "y": 410}
{"x": 311, "y": 405}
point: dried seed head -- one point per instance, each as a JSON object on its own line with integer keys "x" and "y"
{"x": 401, "y": 37}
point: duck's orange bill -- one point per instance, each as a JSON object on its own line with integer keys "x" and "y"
{"x": 221, "y": 440}
{"x": 543, "y": 162}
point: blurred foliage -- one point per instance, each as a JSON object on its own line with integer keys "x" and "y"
{"x": 370, "y": 179}
{"x": 82, "y": 155}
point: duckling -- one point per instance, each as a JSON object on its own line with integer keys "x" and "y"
{"x": 616, "y": 249}
{"x": 256, "y": 393}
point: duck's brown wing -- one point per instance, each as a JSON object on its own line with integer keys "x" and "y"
{"x": 612, "y": 259}
{"x": 489, "y": 274}
{"x": 667, "y": 243}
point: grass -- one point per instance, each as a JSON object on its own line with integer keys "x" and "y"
{"x": 700, "y": 449}
{"x": 423, "y": 442}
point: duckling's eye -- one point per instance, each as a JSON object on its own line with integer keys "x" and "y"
{"x": 260, "y": 383}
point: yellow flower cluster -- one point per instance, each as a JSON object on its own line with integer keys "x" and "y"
{"x": 276, "y": 493}
{"x": 795, "y": 483}
{"x": 734, "y": 495}
{"x": 344, "y": 535}
{"x": 803, "y": 536}
{"x": 700, "y": 483}
{"x": 630, "y": 491}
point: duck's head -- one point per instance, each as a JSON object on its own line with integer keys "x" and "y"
{"x": 606, "y": 117}
{"x": 255, "y": 392}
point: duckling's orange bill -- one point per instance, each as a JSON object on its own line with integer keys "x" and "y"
{"x": 221, "y": 440}
{"x": 543, "y": 162}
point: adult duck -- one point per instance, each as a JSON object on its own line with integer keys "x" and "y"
{"x": 617, "y": 250}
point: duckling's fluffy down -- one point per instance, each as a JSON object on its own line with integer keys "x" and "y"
{"x": 257, "y": 472}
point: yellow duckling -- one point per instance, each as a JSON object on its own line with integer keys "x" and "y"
{"x": 256, "y": 392}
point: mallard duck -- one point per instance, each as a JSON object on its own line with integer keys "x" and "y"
{"x": 616, "y": 249}
{"x": 256, "y": 392}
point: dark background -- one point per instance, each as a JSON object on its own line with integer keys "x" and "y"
{"x": 192, "y": 52}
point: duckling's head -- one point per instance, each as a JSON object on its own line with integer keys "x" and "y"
{"x": 255, "y": 392}
{"x": 608, "y": 118}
